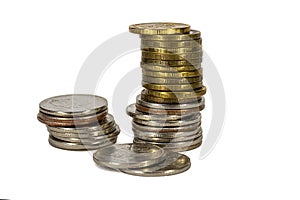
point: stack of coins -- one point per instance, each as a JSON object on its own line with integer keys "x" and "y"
{"x": 167, "y": 112}
{"x": 78, "y": 122}
{"x": 141, "y": 160}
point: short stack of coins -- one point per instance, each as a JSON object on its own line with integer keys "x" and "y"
{"x": 78, "y": 122}
{"x": 167, "y": 112}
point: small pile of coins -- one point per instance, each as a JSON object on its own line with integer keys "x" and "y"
{"x": 78, "y": 122}
{"x": 141, "y": 160}
{"x": 167, "y": 112}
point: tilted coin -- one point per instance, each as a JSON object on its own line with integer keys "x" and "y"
{"x": 160, "y": 28}
{"x": 168, "y": 140}
{"x": 132, "y": 112}
{"x": 178, "y": 101}
{"x": 193, "y": 34}
{"x": 165, "y": 87}
{"x": 167, "y": 123}
{"x": 166, "y": 135}
{"x": 188, "y": 128}
{"x": 73, "y": 105}
{"x": 172, "y": 50}
{"x": 197, "y": 104}
{"x": 78, "y": 146}
{"x": 174, "y": 163}
{"x": 163, "y": 111}
{"x": 195, "y": 73}
{"x": 159, "y": 68}
{"x": 191, "y": 94}
{"x": 172, "y": 63}
{"x": 124, "y": 156}
{"x": 171, "y": 81}
{"x": 172, "y": 56}
{"x": 171, "y": 44}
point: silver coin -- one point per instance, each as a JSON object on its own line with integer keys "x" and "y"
{"x": 78, "y": 146}
{"x": 168, "y": 123}
{"x": 87, "y": 140}
{"x": 168, "y": 140}
{"x": 166, "y": 135}
{"x": 132, "y": 112}
{"x": 174, "y": 163}
{"x": 170, "y": 106}
{"x": 190, "y": 127}
{"x": 124, "y": 156}
{"x": 73, "y": 105}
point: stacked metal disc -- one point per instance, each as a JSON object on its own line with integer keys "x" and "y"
{"x": 78, "y": 122}
{"x": 167, "y": 112}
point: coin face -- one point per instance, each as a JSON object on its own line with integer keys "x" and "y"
{"x": 124, "y": 156}
{"x": 193, "y": 34}
{"x": 174, "y": 163}
{"x": 73, "y": 105}
{"x": 159, "y": 28}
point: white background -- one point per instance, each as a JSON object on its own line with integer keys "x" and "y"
{"x": 255, "y": 45}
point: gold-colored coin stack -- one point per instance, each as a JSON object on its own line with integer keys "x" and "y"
{"x": 167, "y": 112}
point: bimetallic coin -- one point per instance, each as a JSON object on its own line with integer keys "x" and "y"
{"x": 192, "y": 94}
{"x": 124, "y": 156}
{"x": 78, "y": 146}
{"x": 174, "y": 163}
{"x": 159, "y": 28}
{"x": 73, "y": 105}
{"x": 188, "y": 128}
{"x": 195, "y": 73}
{"x": 172, "y": 63}
{"x": 167, "y": 88}
{"x": 197, "y": 43}
{"x": 167, "y": 123}
{"x": 132, "y": 112}
{"x": 172, "y": 56}
{"x": 198, "y": 104}
{"x": 163, "y": 111}
{"x": 166, "y": 135}
{"x": 193, "y": 34}
{"x": 171, "y": 81}
{"x": 158, "y": 68}
{"x": 172, "y": 50}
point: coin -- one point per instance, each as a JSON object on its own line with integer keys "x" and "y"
{"x": 132, "y": 112}
{"x": 197, "y": 43}
{"x": 198, "y": 104}
{"x": 77, "y": 146}
{"x": 171, "y": 81}
{"x": 167, "y": 88}
{"x": 188, "y": 128}
{"x": 177, "y": 101}
{"x": 73, "y": 105}
{"x": 172, "y": 50}
{"x": 185, "y": 148}
{"x": 193, "y": 34}
{"x": 171, "y": 55}
{"x": 165, "y": 135}
{"x": 191, "y": 94}
{"x": 124, "y": 156}
{"x": 167, "y": 140}
{"x": 159, "y": 28}
{"x": 172, "y": 63}
{"x": 174, "y": 163}
{"x": 163, "y": 111}
{"x": 189, "y": 74}
{"x": 167, "y": 123}
{"x": 159, "y": 68}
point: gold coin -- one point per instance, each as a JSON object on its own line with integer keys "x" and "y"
{"x": 172, "y": 56}
{"x": 172, "y": 63}
{"x": 172, "y": 50}
{"x": 154, "y": 99}
{"x": 171, "y": 44}
{"x": 158, "y": 68}
{"x": 171, "y": 81}
{"x": 185, "y": 87}
{"x": 195, "y": 73}
{"x": 190, "y": 94}
{"x": 193, "y": 34}
{"x": 159, "y": 28}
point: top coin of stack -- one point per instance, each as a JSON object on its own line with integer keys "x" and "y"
{"x": 78, "y": 122}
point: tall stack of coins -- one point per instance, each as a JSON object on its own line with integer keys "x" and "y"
{"x": 78, "y": 122}
{"x": 167, "y": 112}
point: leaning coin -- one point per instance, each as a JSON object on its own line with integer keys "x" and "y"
{"x": 159, "y": 28}
{"x": 172, "y": 63}
{"x": 164, "y": 111}
{"x": 195, "y": 73}
{"x": 193, "y": 34}
{"x": 159, "y": 68}
{"x": 188, "y": 128}
{"x": 124, "y": 156}
{"x": 197, "y": 104}
{"x": 174, "y": 163}
{"x": 73, "y": 105}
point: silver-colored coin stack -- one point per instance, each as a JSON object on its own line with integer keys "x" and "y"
{"x": 167, "y": 112}
{"x": 78, "y": 122}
